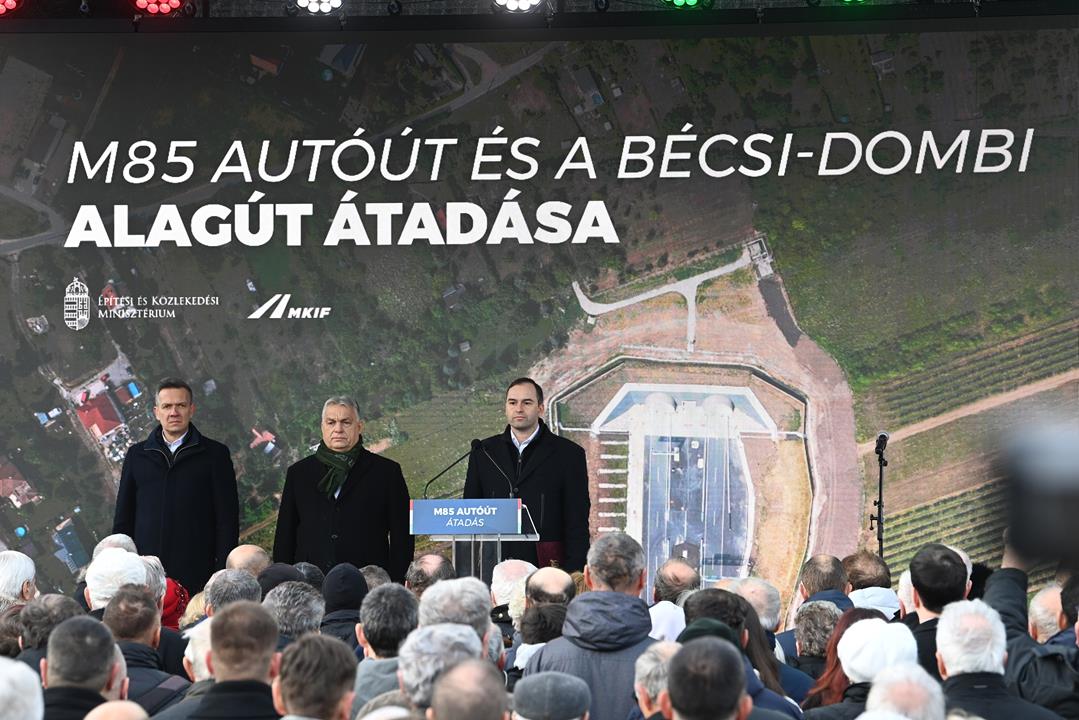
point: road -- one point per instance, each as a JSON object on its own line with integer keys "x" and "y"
{"x": 686, "y": 288}
{"x": 979, "y": 406}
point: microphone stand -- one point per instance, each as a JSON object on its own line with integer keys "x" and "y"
{"x": 444, "y": 471}
{"x": 879, "y": 502}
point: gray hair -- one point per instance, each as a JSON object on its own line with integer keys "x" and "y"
{"x": 971, "y": 638}
{"x": 343, "y": 400}
{"x": 653, "y": 668}
{"x": 15, "y": 570}
{"x": 464, "y": 600}
{"x": 228, "y": 586}
{"x": 964, "y": 557}
{"x": 155, "y": 576}
{"x": 495, "y": 645}
{"x": 668, "y": 588}
{"x": 505, "y": 576}
{"x": 616, "y": 561}
{"x": 112, "y": 568}
{"x": 1044, "y": 612}
{"x": 907, "y": 690}
{"x": 430, "y": 651}
{"x": 297, "y": 607}
{"x": 905, "y": 591}
{"x": 813, "y": 626}
{"x": 764, "y": 597}
{"x": 116, "y": 540}
{"x": 20, "y": 692}
{"x": 198, "y": 644}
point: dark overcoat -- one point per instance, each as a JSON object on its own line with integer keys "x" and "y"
{"x": 182, "y": 507}
{"x": 551, "y": 479}
{"x": 367, "y": 524}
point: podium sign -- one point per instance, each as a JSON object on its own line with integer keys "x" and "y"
{"x": 465, "y": 517}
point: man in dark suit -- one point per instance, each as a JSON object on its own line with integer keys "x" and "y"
{"x": 547, "y": 472}
{"x": 177, "y": 498}
{"x": 344, "y": 504}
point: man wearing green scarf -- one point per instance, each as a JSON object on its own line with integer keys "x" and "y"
{"x": 344, "y": 504}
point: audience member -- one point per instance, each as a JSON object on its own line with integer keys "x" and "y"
{"x": 705, "y": 682}
{"x": 195, "y": 611}
{"x": 866, "y": 648}
{"x": 472, "y": 690}
{"x": 606, "y": 629}
{"x": 10, "y": 630}
{"x": 243, "y": 637}
{"x": 939, "y": 576}
{"x": 813, "y": 625}
{"x": 135, "y": 621}
{"x": 822, "y": 578}
{"x": 465, "y": 601}
{"x": 171, "y": 644}
{"x": 111, "y": 569}
{"x": 312, "y": 574}
{"x": 297, "y": 608}
{"x": 871, "y": 583}
{"x": 343, "y": 590}
{"x": 539, "y": 625}
{"x": 979, "y": 577}
{"x": 505, "y": 577}
{"x": 316, "y": 679}
{"x": 905, "y": 592}
{"x": 971, "y": 650}
{"x": 118, "y": 710}
{"x": 276, "y": 574}
{"x": 116, "y": 540}
{"x": 38, "y": 619}
{"x": 426, "y": 654}
{"x": 762, "y": 648}
{"x": 765, "y": 599}
{"x": 82, "y": 669}
{"x": 1048, "y": 623}
{"x": 375, "y": 576}
{"x": 229, "y": 586}
{"x": 20, "y": 691}
{"x": 548, "y": 585}
{"x": 426, "y": 570}
{"x": 552, "y": 696}
{"x": 174, "y": 604}
{"x": 650, "y": 677}
{"x": 908, "y": 691}
{"x": 250, "y": 558}
{"x": 17, "y": 579}
{"x": 830, "y": 686}
{"x": 388, "y": 614}
{"x": 673, "y": 578}
{"x": 198, "y": 671}
{"x": 719, "y": 613}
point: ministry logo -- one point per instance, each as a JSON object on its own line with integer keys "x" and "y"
{"x": 77, "y": 305}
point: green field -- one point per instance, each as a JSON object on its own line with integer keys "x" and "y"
{"x": 17, "y": 220}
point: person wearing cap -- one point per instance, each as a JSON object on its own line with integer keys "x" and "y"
{"x": 343, "y": 589}
{"x": 551, "y": 696}
{"x": 866, "y": 648}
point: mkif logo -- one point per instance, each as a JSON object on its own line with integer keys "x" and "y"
{"x": 280, "y": 305}
{"x": 77, "y": 305}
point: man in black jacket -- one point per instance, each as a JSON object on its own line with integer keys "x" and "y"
{"x": 1046, "y": 675}
{"x": 135, "y": 621}
{"x": 82, "y": 669}
{"x": 344, "y": 504}
{"x": 177, "y": 496}
{"x": 547, "y": 472}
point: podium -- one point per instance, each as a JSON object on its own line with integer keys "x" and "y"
{"x": 477, "y": 529}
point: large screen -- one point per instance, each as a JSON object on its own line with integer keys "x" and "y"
{"x": 730, "y": 262}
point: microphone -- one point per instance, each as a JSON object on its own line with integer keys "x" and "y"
{"x": 509, "y": 483}
{"x": 882, "y": 442}
{"x": 449, "y": 467}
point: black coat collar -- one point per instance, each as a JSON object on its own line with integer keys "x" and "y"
{"x": 363, "y": 464}
{"x": 156, "y": 441}
{"x": 139, "y": 655}
{"x": 534, "y": 455}
{"x": 979, "y": 682}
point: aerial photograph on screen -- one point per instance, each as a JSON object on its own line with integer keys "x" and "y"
{"x": 726, "y": 365}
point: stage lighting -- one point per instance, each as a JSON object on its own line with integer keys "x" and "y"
{"x": 319, "y": 7}
{"x": 157, "y": 7}
{"x": 517, "y": 6}
{"x": 7, "y": 6}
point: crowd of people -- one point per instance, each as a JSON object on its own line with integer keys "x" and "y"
{"x": 265, "y": 640}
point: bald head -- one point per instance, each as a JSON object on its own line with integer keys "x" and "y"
{"x": 117, "y": 710}
{"x": 673, "y": 578}
{"x": 549, "y": 586}
{"x": 764, "y": 597}
{"x": 249, "y": 558}
{"x": 426, "y": 570}
{"x": 728, "y": 584}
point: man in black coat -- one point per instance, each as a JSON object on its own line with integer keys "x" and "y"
{"x": 344, "y": 504}
{"x": 81, "y": 669}
{"x": 547, "y": 472}
{"x": 177, "y": 498}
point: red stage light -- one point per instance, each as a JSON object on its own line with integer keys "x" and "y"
{"x": 8, "y": 5}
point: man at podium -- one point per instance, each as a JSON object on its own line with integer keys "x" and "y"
{"x": 547, "y": 472}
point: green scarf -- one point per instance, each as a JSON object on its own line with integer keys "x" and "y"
{"x": 337, "y": 466}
